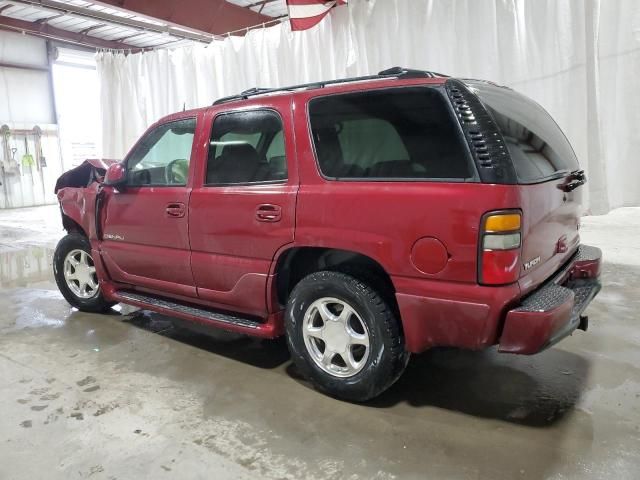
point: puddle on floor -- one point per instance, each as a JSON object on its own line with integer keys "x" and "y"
{"x": 25, "y": 266}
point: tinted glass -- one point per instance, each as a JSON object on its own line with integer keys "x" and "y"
{"x": 538, "y": 147}
{"x": 162, "y": 157}
{"x": 246, "y": 147}
{"x": 388, "y": 134}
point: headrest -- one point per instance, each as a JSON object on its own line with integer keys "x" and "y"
{"x": 240, "y": 152}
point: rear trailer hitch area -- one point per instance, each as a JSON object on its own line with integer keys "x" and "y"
{"x": 555, "y": 310}
{"x": 584, "y": 323}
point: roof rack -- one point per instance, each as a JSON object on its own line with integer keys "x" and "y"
{"x": 395, "y": 72}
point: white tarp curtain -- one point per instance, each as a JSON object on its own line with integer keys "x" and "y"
{"x": 579, "y": 59}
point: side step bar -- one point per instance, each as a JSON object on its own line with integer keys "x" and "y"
{"x": 226, "y": 321}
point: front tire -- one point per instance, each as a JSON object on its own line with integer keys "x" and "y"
{"x": 344, "y": 337}
{"x": 75, "y": 274}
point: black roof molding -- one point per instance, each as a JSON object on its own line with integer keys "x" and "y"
{"x": 395, "y": 72}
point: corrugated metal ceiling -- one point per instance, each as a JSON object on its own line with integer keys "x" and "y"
{"x": 82, "y": 20}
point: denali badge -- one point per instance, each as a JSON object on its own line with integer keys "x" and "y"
{"x": 110, "y": 236}
{"x": 532, "y": 263}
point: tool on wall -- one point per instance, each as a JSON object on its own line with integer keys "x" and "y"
{"x": 7, "y": 164}
{"x": 41, "y": 162}
{"x": 27, "y": 159}
{"x": 8, "y": 159}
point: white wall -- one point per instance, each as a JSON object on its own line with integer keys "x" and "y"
{"x": 26, "y": 100}
{"x": 25, "y": 95}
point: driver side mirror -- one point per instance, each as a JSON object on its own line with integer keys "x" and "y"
{"x": 116, "y": 175}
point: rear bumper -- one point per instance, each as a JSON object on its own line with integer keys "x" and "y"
{"x": 554, "y": 311}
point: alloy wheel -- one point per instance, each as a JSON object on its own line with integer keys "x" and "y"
{"x": 80, "y": 274}
{"x": 336, "y": 337}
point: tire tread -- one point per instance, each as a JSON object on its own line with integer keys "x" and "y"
{"x": 395, "y": 360}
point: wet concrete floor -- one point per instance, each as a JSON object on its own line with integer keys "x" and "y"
{"x": 134, "y": 395}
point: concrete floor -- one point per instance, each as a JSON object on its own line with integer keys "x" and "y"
{"x": 130, "y": 395}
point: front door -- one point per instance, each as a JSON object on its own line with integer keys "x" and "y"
{"x": 242, "y": 208}
{"x": 145, "y": 231}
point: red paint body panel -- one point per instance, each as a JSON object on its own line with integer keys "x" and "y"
{"x": 437, "y": 313}
{"x": 143, "y": 245}
{"x": 528, "y": 332}
{"x": 387, "y": 224}
{"x": 550, "y": 214}
{"x": 232, "y": 249}
{"x": 222, "y": 255}
{"x": 79, "y": 205}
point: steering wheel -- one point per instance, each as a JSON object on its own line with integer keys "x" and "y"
{"x": 176, "y": 176}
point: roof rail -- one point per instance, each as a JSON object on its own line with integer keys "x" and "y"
{"x": 395, "y": 72}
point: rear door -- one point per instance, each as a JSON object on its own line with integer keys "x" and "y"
{"x": 242, "y": 208}
{"x": 549, "y": 180}
{"x": 145, "y": 230}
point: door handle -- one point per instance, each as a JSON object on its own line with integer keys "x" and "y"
{"x": 269, "y": 213}
{"x": 175, "y": 210}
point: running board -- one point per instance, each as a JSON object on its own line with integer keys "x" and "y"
{"x": 191, "y": 312}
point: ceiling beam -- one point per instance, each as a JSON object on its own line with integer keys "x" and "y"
{"x": 47, "y": 31}
{"x": 87, "y": 13}
{"x": 211, "y": 16}
{"x": 84, "y": 31}
{"x": 48, "y": 19}
{"x": 23, "y": 67}
{"x": 133, "y": 35}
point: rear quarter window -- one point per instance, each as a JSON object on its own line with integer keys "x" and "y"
{"x": 392, "y": 134}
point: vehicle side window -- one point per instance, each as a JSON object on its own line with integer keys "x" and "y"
{"x": 401, "y": 133}
{"x": 246, "y": 147}
{"x": 162, "y": 157}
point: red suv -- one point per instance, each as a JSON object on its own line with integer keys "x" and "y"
{"x": 363, "y": 218}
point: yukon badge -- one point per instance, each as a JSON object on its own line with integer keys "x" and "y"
{"x": 531, "y": 263}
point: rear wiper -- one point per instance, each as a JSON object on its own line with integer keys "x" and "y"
{"x": 576, "y": 179}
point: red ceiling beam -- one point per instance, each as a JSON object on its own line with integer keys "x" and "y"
{"x": 45, "y": 30}
{"x": 210, "y": 16}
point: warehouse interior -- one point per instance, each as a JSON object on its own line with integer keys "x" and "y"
{"x": 134, "y": 393}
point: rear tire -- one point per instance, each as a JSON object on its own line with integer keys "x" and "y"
{"x": 344, "y": 337}
{"x": 74, "y": 272}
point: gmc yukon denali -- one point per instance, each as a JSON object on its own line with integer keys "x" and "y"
{"x": 365, "y": 219}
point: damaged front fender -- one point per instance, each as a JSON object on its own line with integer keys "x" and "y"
{"x": 88, "y": 172}
{"x": 76, "y": 190}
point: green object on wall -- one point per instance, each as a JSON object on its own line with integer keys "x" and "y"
{"x": 27, "y": 160}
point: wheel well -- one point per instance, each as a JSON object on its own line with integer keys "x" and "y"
{"x": 71, "y": 226}
{"x": 296, "y": 263}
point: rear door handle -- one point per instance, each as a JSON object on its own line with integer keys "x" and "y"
{"x": 269, "y": 213}
{"x": 175, "y": 210}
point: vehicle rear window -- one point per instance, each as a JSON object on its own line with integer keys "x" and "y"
{"x": 538, "y": 148}
{"x": 401, "y": 133}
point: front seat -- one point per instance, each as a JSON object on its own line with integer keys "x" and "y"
{"x": 238, "y": 163}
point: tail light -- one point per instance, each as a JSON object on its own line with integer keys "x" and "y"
{"x": 499, "y": 253}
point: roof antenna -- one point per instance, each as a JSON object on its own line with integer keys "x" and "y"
{"x": 184, "y": 106}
